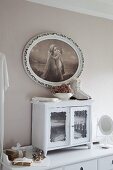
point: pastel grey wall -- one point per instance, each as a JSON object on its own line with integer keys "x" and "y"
{"x": 21, "y": 20}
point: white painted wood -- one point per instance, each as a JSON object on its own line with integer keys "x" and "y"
{"x": 39, "y": 127}
{"x": 99, "y": 8}
{"x": 64, "y": 103}
{"x": 88, "y": 165}
{"x": 105, "y": 163}
{"x": 80, "y": 156}
{"x": 58, "y": 169}
{"x": 62, "y": 134}
{"x": 107, "y": 2}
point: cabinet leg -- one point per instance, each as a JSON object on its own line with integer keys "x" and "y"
{"x": 89, "y": 145}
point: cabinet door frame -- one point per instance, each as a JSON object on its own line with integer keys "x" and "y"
{"x": 53, "y": 145}
{"x": 84, "y": 140}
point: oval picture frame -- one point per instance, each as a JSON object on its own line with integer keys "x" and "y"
{"x": 52, "y": 59}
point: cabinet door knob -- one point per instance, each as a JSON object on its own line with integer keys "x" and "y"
{"x": 81, "y": 168}
{"x": 112, "y": 161}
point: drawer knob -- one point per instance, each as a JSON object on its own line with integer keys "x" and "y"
{"x": 81, "y": 168}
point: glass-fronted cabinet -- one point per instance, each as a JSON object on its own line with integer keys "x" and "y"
{"x": 61, "y": 124}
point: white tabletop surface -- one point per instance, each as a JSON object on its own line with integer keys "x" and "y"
{"x": 69, "y": 156}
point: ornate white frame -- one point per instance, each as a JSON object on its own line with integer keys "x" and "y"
{"x": 46, "y": 36}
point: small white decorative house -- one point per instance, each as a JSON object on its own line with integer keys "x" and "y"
{"x": 61, "y": 124}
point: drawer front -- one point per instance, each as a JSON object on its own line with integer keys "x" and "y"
{"x": 105, "y": 163}
{"x": 88, "y": 165}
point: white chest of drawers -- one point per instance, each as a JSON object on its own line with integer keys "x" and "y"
{"x": 83, "y": 159}
{"x": 105, "y": 163}
{"x": 88, "y": 165}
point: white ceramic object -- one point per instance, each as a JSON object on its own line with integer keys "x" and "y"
{"x": 106, "y": 127}
{"x": 63, "y": 96}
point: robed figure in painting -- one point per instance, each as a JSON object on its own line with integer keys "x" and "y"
{"x": 54, "y": 69}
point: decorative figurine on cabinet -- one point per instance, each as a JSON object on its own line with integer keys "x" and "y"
{"x": 78, "y": 93}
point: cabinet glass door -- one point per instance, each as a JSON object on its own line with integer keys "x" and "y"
{"x": 59, "y": 127}
{"x": 80, "y": 124}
